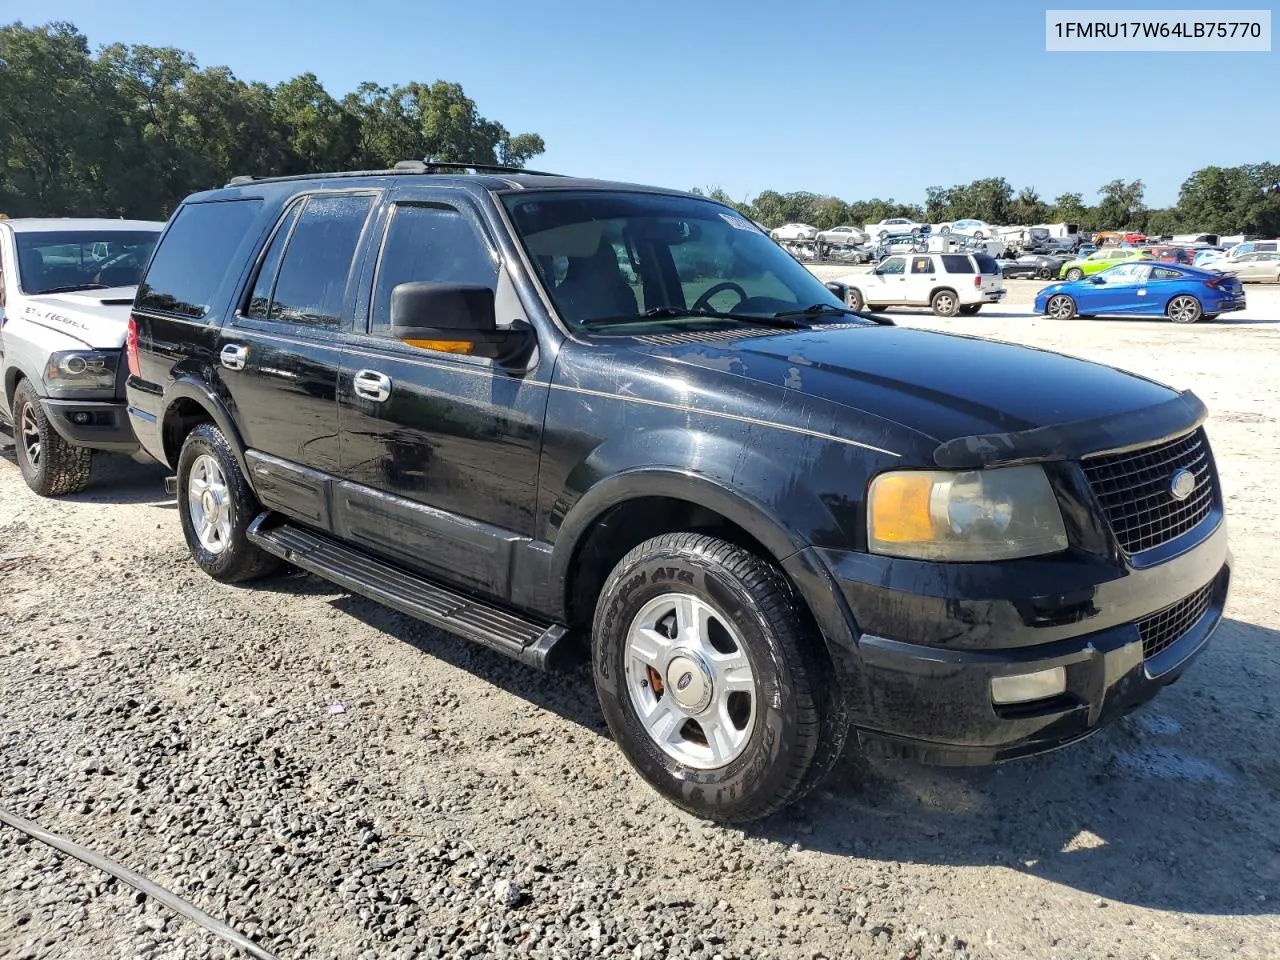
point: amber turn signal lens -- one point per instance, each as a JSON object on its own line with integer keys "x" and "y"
{"x": 900, "y": 507}
{"x": 443, "y": 346}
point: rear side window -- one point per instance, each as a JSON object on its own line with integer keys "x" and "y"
{"x": 429, "y": 242}
{"x": 195, "y": 255}
{"x": 922, "y": 265}
{"x": 986, "y": 264}
{"x": 260, "y": 302}
{"x": 311, "y": 282}
{"x": 957, "y": 263}
{"x": 1164, "y": 273}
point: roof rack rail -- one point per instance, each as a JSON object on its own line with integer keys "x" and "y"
{"x": 403, "y": 168}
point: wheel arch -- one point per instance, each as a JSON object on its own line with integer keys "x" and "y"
{"x": 188, "y": 403}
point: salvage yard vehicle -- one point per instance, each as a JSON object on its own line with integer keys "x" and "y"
{"x": 978, "y": 229}
{"x": 1182, "y": 293}
{"x": 947, "y": 283}
{"x": 843, "y": 237}
{"x": 490, "y": 399}
{"x": 794, "y": 231}
{"x": 1259, "y": 266}
{"x": 1098, "y": 261}
{"x": 65, "y": 291}
{"x": 896, "y": 227}
{"x": 1034, "y": 266}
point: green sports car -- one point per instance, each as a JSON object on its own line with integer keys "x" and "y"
{"x": 1099, "y": 260}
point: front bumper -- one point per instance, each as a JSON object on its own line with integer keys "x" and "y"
{"x": 931, "y": 637}
{"x": 96, "y": 424}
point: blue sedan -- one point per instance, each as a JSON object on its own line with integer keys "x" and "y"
{"x": 1182, "y": 293}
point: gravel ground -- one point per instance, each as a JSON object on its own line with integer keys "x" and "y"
{"x": 336, "y": 780}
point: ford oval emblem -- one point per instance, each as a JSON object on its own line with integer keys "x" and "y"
{"x": 684, "y": 681}
{"x": 1183, "y": 484}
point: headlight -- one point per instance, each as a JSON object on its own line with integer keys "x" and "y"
{"x": 995, "y": 514}
{"x": 82, "y": 370}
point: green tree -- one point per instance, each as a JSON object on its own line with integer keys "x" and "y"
{"x": 1121, "y": 205}
{"x": 1070, "y": 208}
{"x": 318, "y": 132}
{"x": 1027, "y": 208}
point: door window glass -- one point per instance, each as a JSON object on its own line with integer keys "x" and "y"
{"x": 922, "y": 264}
{"x": 195, "y": 255}
{"x": 894, "y": 265}
{"x": 260, "y": 300}
{"x": 312, "y": 280}
{"x": 431, "y": 242}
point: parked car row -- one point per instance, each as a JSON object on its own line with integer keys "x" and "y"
{"x": 556, "y": 416}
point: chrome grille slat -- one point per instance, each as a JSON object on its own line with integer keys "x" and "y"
{"x": 1133, "y": 490}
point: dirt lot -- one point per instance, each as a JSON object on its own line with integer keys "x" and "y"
{"x": 339, "y": 781}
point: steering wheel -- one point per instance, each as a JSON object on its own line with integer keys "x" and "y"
{"x": 704, "y": 301}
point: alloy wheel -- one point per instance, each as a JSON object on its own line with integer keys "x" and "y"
{"x": 1184, "y": 310}
{"x": 690, "y": 681}
{"x": 30, "y": 432}
{"x": 1060, "y": 307}
{"x": 209, "y": 504}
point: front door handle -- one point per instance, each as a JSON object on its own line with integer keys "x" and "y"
{"x": 234, "y": 355}
{"x": 372, "y": 385}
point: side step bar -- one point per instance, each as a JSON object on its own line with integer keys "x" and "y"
{"x": 529, "y": 641}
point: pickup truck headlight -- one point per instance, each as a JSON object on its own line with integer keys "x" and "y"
{"x": 82, "y": 370}
{"x": 995, "y": 514}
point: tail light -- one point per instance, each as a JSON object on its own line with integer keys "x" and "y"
{"x": 1215, "y": 282}
{"x": 977, "y": 280}
{"x": 131, "y": 349}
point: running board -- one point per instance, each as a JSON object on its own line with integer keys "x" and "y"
{"x": 531, "y": 642}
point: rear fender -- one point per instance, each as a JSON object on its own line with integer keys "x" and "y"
{"x": 189, "y": 388}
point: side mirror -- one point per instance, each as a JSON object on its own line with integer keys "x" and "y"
{"x": 841, "y": 290}
{"x": 454, "y": 318}
{"x": 1095, "y": 279}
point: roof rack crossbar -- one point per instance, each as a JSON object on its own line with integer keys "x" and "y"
{"x": 403, "y": 168}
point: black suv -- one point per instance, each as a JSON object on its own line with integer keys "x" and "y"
{"x": 529, "y": 408}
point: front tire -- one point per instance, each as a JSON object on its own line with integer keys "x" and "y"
{"x": 51, "y": 466}
{"x": 1060, "y": 307}
{"x": 1184, "y": 309}
{"x": 216, "y": 506}
{"x": 854, "y": 299}
{"x": 945, "y": 303}
{"x": 711, "y": 677}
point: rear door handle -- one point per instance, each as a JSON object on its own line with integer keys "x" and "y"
{"x": 233, "y": 356}
{"x": 372, "y": 385}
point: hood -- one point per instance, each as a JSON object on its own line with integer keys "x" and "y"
{"x": 97, "y": 318}
{"x": 940, "y": 385}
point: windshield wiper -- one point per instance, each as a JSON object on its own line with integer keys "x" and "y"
{"x": 73, "y": 287}
{"x": 831, "y": 310}
{"x": 777, "y": 321}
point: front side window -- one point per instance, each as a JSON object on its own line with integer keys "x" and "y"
{"x": 893, "y": 266}
{"x": 429, "y": 241}
{"x": 311, "y": 283}
{"x": 65, "y": 260}
{"x": 197, "y": 251}
{"x": 608, "y": 257}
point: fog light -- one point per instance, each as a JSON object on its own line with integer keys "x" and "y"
{"x": 1022, "y": 687}
{"x": 82, "y": 418}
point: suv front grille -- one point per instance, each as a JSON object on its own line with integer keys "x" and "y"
{"x": 1135, "y": 491}
{"x": 1164, "y": 627}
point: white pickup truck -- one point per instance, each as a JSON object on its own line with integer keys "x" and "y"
{"x": 66, "y": 287}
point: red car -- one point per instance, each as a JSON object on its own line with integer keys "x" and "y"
{"x": 1171, "y": 254}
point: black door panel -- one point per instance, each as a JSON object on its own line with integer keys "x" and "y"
{"x": 301, "y": 493}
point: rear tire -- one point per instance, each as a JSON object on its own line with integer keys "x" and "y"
{"x": 1184, "y": 308}
{"x": 945, "y": 303}
{"x": 854, "y": 299}
{"x": 1075, "y": 273}
{"x": 216, "y": 506}
{"x": 51, "y": 466}
{"x": 761, "y": 720}
{"x": 968, "y": 310}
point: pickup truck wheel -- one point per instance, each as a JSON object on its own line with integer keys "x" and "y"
{"x": 216, "y": 505}
{"x": 710, "y": 677}
{"x": 853, "y": 300}
{"x": 945, "y": 303}
{"x": 51, "y": 466}
{"x": 970, "y": 309}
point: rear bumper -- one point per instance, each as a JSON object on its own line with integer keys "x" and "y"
{"x": 931, "y": 640}
{"x": 144, "y": 414}
{"x": 96, "y": 424}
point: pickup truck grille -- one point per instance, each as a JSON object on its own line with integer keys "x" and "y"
{"x": 1164, "y": 627}
{"x": 1135, "y": 490}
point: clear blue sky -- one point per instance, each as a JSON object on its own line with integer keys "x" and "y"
{"x": 856, "y": 99}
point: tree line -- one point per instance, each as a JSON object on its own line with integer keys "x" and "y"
{"x": 130, "y": 130}
{"x": 1222, "y": 200}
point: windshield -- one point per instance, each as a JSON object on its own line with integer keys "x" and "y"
{"x": 50, "y": 260}
{"x": 606, "y": 257}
